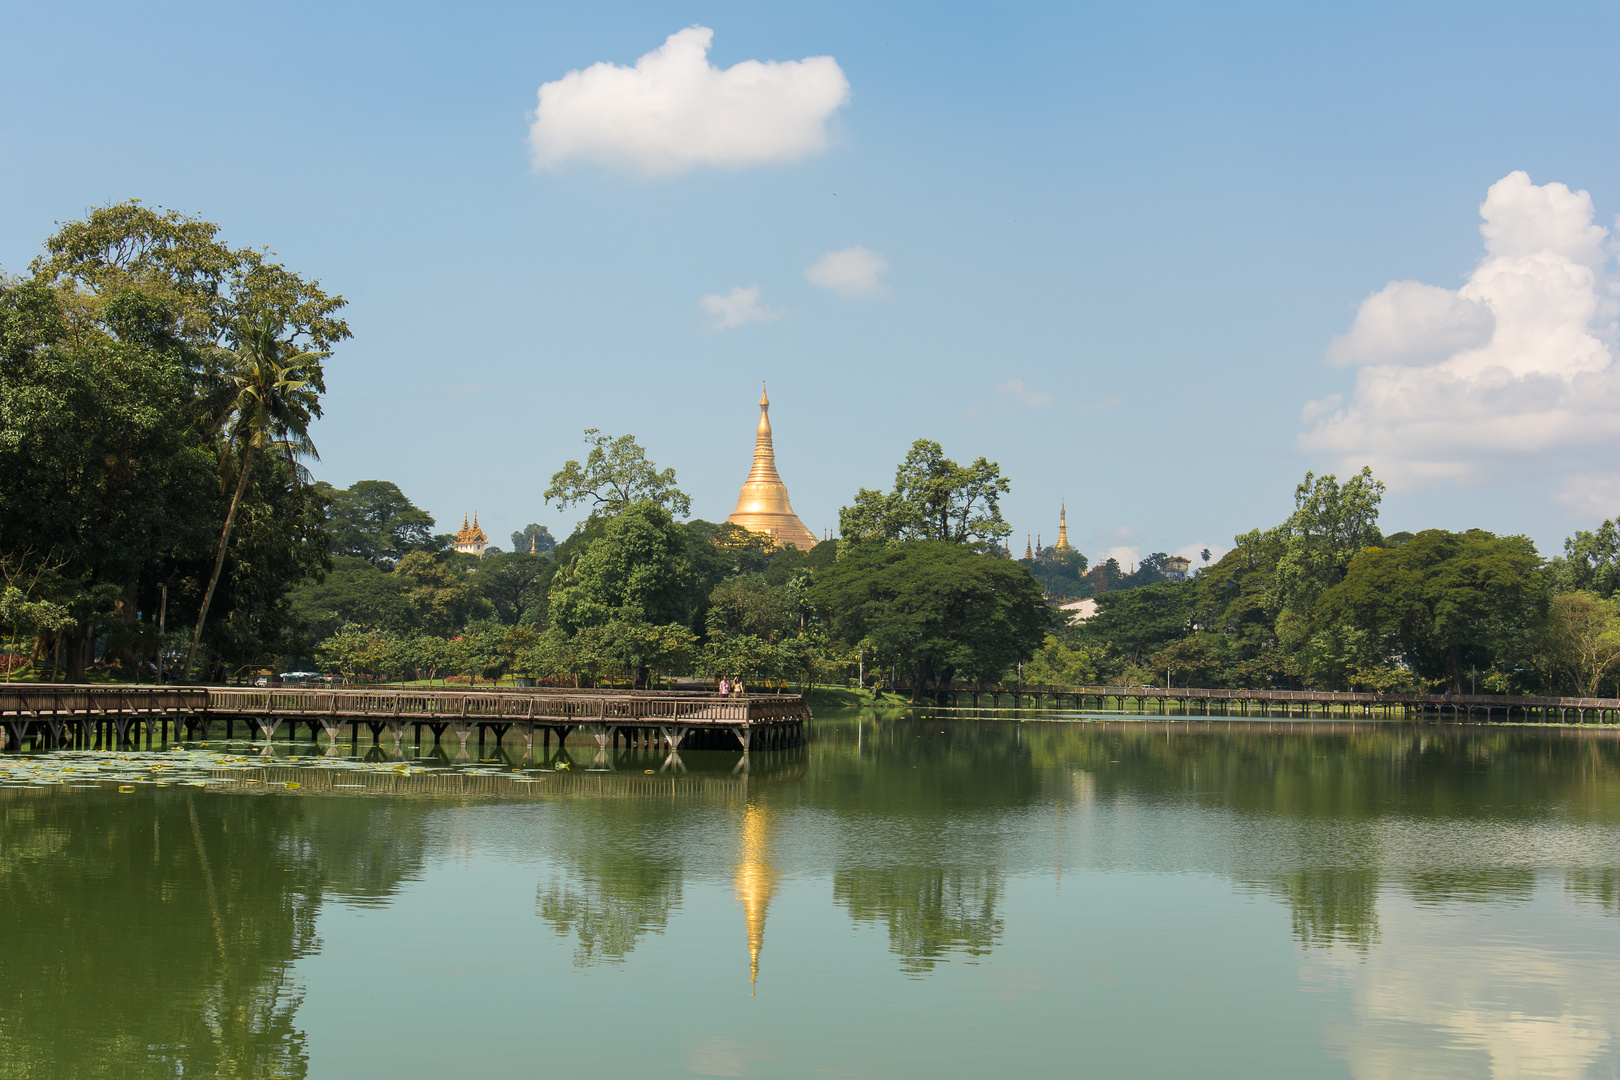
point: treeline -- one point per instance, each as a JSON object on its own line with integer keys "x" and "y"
{"x": 1326, "y": 601}
{"x": 918, "y": 594}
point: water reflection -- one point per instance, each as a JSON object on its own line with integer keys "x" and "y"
{"x": 1473, "y": 994}
{"x": 1452, "y": 893}
{"x": 152, "y": 934}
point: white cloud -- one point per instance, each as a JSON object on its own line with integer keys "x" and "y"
{"x": 1513, "y": 373}
{"x": 674, "y": 110}
{"x": 740, "y": 305}
{"x": 852, "y": 273}
{"x": 1017, "y": 392}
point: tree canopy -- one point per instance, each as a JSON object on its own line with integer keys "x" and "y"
{"x": 939, "y": 610}
{"x": 934, "y": 498}
{"x": 616, "y": 474}
{"x": 373, "y": 520}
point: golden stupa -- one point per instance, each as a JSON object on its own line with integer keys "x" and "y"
{"x": 763, "y": 505}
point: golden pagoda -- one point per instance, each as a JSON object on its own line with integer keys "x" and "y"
{"x": 755, "y": 883}
{"x": 762, "y": 505}
{"x": 1063, "y": 528}
{"x": 470, "y": 538}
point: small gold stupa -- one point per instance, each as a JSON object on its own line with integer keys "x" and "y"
{"x": 763, "y": 505}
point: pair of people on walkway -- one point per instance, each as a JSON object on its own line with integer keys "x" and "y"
{"x": 728, "y": 686}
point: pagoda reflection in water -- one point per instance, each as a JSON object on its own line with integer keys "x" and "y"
{"x": 755, "y": 883}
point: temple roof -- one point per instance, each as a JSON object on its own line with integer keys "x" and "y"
{"x": 470, "y": 534}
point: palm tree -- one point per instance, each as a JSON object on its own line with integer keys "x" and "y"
{"x": 267, "y": 398}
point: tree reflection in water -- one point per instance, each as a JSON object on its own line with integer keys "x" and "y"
{"x": 161, "y": 925}
{"x": 931, "y": 912}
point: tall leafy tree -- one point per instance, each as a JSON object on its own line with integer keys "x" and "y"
{"x": 268, "y": 397}
{"x": 373, "y": 520}
{"x": 616, "y": 474}
{"x": 1331, "y": 524}
{"x": 1443, "y": 603}
{"x": 938, "y": 609}
{"x": 934, "y": 498}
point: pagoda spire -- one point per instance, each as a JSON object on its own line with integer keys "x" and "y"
{"x": 763, "y": 505}
{"x": 1063, "y": 528}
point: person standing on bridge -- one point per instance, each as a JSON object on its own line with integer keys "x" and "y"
{"x": 737, "y": 688}
{"x": 725, "y": 686}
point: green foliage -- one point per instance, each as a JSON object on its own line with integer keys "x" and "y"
{"x": 616, "y": 475}
{"x": 534, "y": 540}
{"x": 939, "y": 610}
{"x": 1332, "y": 523}
{"x": 1581, "y": 641}
{"x": 1136, "y": 623}
{"x": 1591, "y": 562}
{"x": 1057, "y": 663}
{"x": 934, "y": 498}
{"x": 131, "y": 428}
{"x": 439, "y": 592}
{"x": 373, "y": 520}
{"x": 516, "y": 585}
{"x": 637, "y": 572}
{"x": 748, "y": 605}
{"x": 1061, "y": 574}
{"x": 1440, "y": 604}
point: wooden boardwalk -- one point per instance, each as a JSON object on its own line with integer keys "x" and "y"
{"x": 52, "y": 714}
{"x": 1278, "y": 704}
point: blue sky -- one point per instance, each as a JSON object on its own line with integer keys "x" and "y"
{"x": 1120, "y": 242}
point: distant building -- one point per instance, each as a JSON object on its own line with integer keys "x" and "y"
{"x": 1175, "y": 568}
{"x": 1063, "y": 529}
{"x": 470, "y": 538}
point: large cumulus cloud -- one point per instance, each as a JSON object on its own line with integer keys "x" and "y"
{"x": 1513, "y": 374}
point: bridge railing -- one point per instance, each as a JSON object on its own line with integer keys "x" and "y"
{"x": 1321, "y": 697}
{"x": 64, "y": 699}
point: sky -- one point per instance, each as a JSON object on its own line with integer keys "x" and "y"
{"x": 1157, "y": 261}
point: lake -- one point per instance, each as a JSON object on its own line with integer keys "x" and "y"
{"x": 911, "y": 895}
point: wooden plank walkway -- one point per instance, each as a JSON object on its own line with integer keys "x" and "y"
{"x": 49, "y": 714}
{"x": 1266, "y": 704}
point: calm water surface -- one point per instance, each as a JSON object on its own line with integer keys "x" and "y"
{"x": 909, "y": 897}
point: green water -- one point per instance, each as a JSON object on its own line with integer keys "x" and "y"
{"x": 908, "y": 897}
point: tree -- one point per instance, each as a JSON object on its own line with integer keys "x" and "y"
{"x": 440, "y": 591}
{"x": 934, "y": 498}
{"x": 616, "y": 474}
{"x": 1332, "y": 523}
{"x": 1062, "y": 573}
{"x": 373, "y": 520}
{"x": 636, "y": 571}
{"x": 533, "y": 540}
{"x": 269, "y": 398}
{"x": 111, "y": 376}
{"x": 206, "y": 288}
{"x": 515, "y": 584}
{"x": 1136, "y": 623}
{"x": 748, "y": 605}
{"x": 1591, "y": 562}
{"x": 938, "y": 609}
{"x": 354, "y": 591}
{"x": 1583, "y": 638}
{"x": 1441, "y": 603}
{"x": 103, "y": 471}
